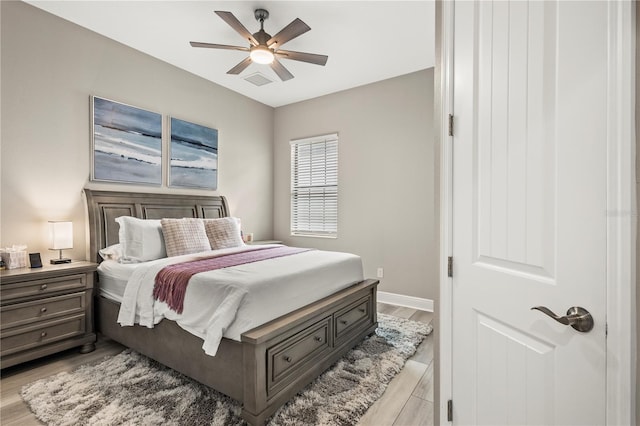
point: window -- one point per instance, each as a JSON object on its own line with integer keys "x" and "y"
{"x": 314, "y": 186}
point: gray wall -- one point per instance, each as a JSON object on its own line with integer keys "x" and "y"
{"x": 49, "y": 69}
{"x": 386, "y": 177}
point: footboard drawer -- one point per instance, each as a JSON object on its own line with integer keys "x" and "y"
{"x": 350, "y": 317}
{"x": 290, "y": 356}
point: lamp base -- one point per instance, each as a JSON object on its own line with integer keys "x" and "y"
{"x": 58, "y": 261}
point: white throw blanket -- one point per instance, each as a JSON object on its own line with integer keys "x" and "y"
{"x": 227, "y": 302}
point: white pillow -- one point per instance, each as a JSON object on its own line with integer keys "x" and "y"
{"x": 113, "y": 252}
{"x": 141, "y": 239}
{"x": 184, "y": 236}
{"x": 223, "y": 233}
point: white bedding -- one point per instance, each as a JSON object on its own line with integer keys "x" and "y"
{"x": 113, "y": 278}
{"x": 227, "y": 302}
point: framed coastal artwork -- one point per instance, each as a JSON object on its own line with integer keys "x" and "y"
{"x": 193, "y": 161}
{"x": 126, "y": 143}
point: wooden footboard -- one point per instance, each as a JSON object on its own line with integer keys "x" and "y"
{"x": 283, "y": 356}
{"x": 273, "y": 362}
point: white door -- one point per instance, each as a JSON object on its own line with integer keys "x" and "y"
{"x": 529, "y": 211}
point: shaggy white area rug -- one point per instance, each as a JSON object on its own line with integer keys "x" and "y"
{"x": 134, "y": 390}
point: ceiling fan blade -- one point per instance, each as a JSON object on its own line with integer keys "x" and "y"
{"x": 241, "y": 66}
{"x": 233, "y": 22}
{"x": 282, "y": 72}
{"x": 294, "y": 29}
{"x": 311, "y": 58}
{"x": 218, "y": 46}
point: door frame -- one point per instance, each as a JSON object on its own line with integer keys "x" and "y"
{"x": 621, "y": 212}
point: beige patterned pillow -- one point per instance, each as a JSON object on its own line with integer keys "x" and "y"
{"x": 184, "y": 236}
{"x": 223, "y": 232}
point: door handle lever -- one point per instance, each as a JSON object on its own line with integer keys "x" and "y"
{"x": 578, "y": 318}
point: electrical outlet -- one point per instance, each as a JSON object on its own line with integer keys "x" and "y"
{"x": 380, "y": 272}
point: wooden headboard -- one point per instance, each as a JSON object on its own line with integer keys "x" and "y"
{"x": 103, "y": 207}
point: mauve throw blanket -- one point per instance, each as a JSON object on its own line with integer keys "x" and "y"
{"x": 171, "y": 282}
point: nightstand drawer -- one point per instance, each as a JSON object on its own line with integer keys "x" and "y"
{"x": 43, "y": 286}
{"x": 43, "y": 309}
{"x": 39, "y": 334}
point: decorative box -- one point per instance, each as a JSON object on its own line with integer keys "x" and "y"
{"x": 14, "y": 259}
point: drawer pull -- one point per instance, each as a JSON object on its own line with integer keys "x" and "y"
{"x": 344, "y": 322}
{"x": 318, "y": 339}
{"x": 287, "y": 358}
{"x": 43, "y": 287}
{"x": 43, "y": 334}
{"x": 43, "y": 309}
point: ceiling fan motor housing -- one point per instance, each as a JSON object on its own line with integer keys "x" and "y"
{"x": 262, "y": 37}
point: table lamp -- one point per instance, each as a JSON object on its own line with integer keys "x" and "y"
{"x": 60, "y": 238}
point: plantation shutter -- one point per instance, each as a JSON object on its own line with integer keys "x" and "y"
{"x": 314, "y": 186}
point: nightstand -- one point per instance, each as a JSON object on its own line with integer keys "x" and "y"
{"x": 46, "y": 310}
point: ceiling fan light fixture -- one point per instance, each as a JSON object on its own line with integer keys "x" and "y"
{"x": 261, "y": 55}
{"x": 264, "y": 47}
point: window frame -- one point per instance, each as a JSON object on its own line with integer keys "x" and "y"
{"x": 328, "y": 200}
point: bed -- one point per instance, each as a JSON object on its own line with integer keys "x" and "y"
{"x": 271, "y": 362}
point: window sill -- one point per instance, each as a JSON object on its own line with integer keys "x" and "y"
{"x": 333, "y": 237}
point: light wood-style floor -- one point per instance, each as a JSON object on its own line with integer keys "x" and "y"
{"x": 408, "y": 400}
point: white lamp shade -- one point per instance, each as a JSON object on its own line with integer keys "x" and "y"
{"x": 60, "y": 235}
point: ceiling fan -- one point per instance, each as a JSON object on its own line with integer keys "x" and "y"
{"x": 265, "y": 49}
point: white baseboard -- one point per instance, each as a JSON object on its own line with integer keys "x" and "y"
{"x": 407, "y": 301}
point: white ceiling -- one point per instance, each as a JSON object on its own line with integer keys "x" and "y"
{"x": 366, "y": 41}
